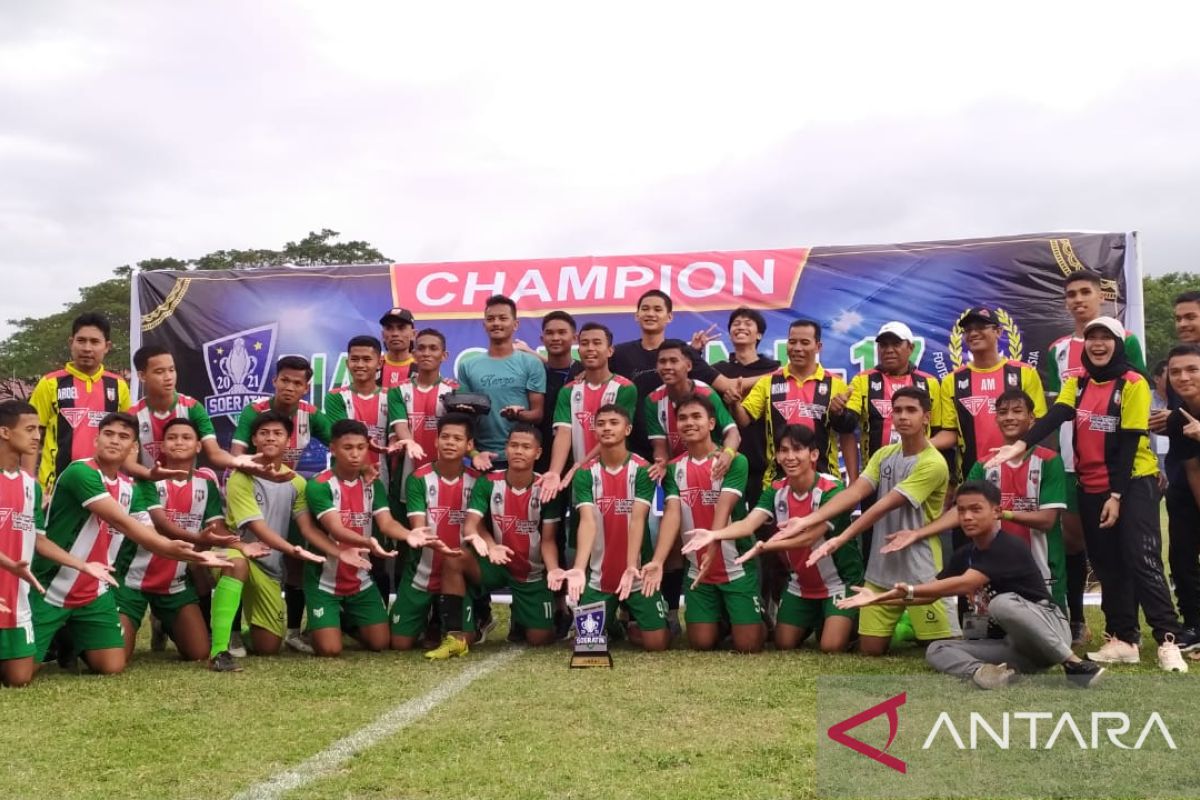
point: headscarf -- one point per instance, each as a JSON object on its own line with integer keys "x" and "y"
{"x": 1119, "y": 364}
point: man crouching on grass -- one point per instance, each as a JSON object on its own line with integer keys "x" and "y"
{"x": 997, "y": 571}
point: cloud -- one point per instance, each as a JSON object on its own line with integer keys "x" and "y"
{"x": 509, "y": 130}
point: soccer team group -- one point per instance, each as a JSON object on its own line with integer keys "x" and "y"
{"x": 550, "y": 494}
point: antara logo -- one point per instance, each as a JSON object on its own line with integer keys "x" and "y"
{"x": 890, "y": 707}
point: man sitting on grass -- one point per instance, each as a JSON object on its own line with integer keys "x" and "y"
{"x": 998, "y": 572}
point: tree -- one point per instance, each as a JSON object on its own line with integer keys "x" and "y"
{"x": 1159, "y": 295}
{"x": 39, "y": 344}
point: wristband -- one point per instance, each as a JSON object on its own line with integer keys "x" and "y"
{"x": 1115, "y": 496}
{"x": 909, "y": 592}
{"x": 1007, "y": 515}
{"x": 730, "y": 450}
{"x": 473, "y": 453}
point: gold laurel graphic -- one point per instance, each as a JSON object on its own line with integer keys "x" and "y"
{"x": 1064, "y": 256}
{"x": 1008, "y": 325}
{"x": 167, "y": 307}
{"x": 956, "y": 342}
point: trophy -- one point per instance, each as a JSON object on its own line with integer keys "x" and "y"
{"x": 591, "y": 643}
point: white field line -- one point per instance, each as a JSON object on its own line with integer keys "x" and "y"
{"x": 370, "y": 735}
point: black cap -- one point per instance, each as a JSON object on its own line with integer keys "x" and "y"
{"x": 979, "y": 314}
{"x": 397, "y": 315}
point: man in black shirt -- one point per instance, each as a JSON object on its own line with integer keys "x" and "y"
{"x": 744, "y": 366}
{"x": 997, "y": 572}
{"x": 558, "y": 337}
{"x": 637, "y": 360}
{"x": 1183, "y": 491}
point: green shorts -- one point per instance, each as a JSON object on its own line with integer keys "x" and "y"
{"x": 262, "y": 600}
{"x": 324, "y": 610}
{"x": 650, "y": 613}
{"x": 929, "y": 622}
{"x": 738, "y": 601}
{"x": 1071, "y": 485}
{"x": 17, "y": 642}
{"x": 532, "y": 602}
{"x": 132, "y": 604}
{"x": 809, "y": 613}
{"x": 409, "y": 615}
{"x": 95, "y": 626}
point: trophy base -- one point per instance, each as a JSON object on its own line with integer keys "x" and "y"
{"x": 591, "y": 660}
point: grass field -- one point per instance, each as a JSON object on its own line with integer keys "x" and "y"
{"x": 673, "y": 725}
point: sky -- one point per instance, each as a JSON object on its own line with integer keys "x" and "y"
{"x": 442, "y": 132}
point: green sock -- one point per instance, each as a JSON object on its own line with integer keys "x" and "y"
{"x": 225, "y": 600}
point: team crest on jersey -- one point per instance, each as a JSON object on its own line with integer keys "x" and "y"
{"x": 111, "y": 394}
{"x": 798, "y": 409}
{"x": 877, "y": 386}
{"x": 1015, "y": 502}
{"x": 1100, "y": 423}
{"x": 822, "y": 389}
{"x": 695, "y": 496}
{"x": 200, "y": 493}
{"x": 509, "y": 524}
{"x": 237, "y": 366}
{"x": 614, "y": 505}
{"x": 77, "y": 416}
{"x": 977, "y": 404}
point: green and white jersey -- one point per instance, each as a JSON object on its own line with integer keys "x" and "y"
{"x": 690, "y": 482}
{"x": 356, "y": 503}
{"x": 578, "y": 403}
{"x": 74, "y": 528}
{"x": 190, "y": 504}
{"x": 515, "y": 518}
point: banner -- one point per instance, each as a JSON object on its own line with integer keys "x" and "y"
{"x": 227, "y": 328}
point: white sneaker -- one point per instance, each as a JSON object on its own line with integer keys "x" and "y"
{"x": 237, "y": 648}
{"x": 1116, "y": 651}
{"x": 993, "y": 676}
{"x": 1169, "y": 657}
{"x": 296, "y": 641}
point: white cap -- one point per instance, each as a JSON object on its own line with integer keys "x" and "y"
{"x": 1111, "y": 324}
{"x": 897, "y": 329}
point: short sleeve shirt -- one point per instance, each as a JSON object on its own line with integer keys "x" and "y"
{"x": 923, "y": 480}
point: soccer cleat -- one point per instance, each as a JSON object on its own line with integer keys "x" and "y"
{"x": 993, "y": 676}
{"x": 451, "y": 647}
{"x": 1116, "y": 651}
{"x": 224, "y": 662}
{"x": 1083, "y": 674}
{"x": 296, "y": 641}
{"x": 516, "y": 633}
{"x": 237, "y": 647}
{"x": 1169, "y": 657}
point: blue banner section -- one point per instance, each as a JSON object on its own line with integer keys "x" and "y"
{"x": 226, "y": 329}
